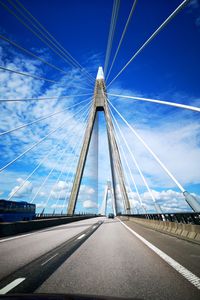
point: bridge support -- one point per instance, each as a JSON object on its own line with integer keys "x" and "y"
{"x": 108, "y": 188}
{"x": 192, "y": 201}
{"x": 100, "y": 104}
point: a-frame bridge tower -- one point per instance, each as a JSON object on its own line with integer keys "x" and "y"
{"x": 100, "y": 104}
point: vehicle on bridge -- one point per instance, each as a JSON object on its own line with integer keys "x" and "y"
{"x": 111, "y": 216}
{"x": 12, "y": 211}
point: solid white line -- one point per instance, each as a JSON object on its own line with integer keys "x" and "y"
{"x": 44, "y": 263}
{"x": 11, "y": 285}
{"x": 174, "y": 264}
{"x": 14, "y": 238}
{"x": 81, "y": 236}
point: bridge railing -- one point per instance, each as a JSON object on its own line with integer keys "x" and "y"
{"x": 52, "y": 216}
{"x": 185, "y": 218}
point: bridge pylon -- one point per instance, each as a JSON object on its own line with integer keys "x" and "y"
{"x": 108, "y": 188}
{"x": 100, "y": 104}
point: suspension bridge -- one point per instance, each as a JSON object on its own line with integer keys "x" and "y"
{"x": 149, "y": 250}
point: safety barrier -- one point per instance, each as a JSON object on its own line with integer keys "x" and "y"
{"x": 184, "y": 217}
{"x": 12, "y": 228}
{"x": 188, "y": 232}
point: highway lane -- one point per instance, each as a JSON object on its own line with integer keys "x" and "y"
{"x": 16, "y": 252}
{"x": 184, "y": 252}
{"x": 113, "y": 262}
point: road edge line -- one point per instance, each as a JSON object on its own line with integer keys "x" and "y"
{"x": 192, "y": 278}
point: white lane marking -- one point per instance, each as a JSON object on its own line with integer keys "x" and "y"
{"x": 44, "y": 263}
{"x": 81, "y": 236}
{"x": 14, "y": 238}
{"x": 174, "y": 264}
{"x": 43, "y": 230}
{"x": 11, "y": 285}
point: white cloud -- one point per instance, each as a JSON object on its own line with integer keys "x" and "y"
{"x": 173, "y": 136}
{"x": 169, "y": 200}
{"x": 61, "y": 190}
{"x": 25, "y": 191}
{"x": 89, "y": 204}
{"x": 87, "y": 190}
{"x": 54, "y": 206}
{"x": 41, "y": 204}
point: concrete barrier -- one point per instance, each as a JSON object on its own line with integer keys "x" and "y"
{"x": 12, "y": 228}
{"x": 188, "y": 232}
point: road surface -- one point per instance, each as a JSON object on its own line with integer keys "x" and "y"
{"x": 99, "y": 257}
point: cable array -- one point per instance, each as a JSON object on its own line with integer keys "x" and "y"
{"x": 134, "y": 159}
{"x": 38, "y": 142}
{"x": 41, "y": 119}
{"x": 122, "y": 36}
{"x": 45, "y": 39}
{"x": 38, "y": 166}
{"x": 32, "y": 54}
{"x": 154, "y": 34}
{"x": 76, "y": 146}
{"x": 115, "y": 10}
{"x": 42, "y": 99}
{"x": 150, "y": 150}
{"x": 127, "y": 165}
{"x": 28, "y": 75}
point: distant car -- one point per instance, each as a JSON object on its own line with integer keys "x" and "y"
{"x": 111, "y": 216}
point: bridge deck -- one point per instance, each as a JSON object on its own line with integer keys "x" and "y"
{"x": 111, "y": 262}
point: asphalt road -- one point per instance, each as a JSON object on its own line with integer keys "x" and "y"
{"x": 19, "y": 251}
{"x": 91, "y": 258}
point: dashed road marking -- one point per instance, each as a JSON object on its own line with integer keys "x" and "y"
{"x": 174, "y": 264}
{"x": 81, "y": 236}
{"x": 39, "y": 231}
{"x": 44, "y": 263}
{"x": 11, "y": 285}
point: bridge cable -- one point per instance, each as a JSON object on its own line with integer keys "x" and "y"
{"x": 75, "y": 146}
{"x": 29, "y": 28}
{"x": 150, "y": 150}
{"x": 32, "y": 54}
{"x": 68, "y": 174}
{"x": 172, "y": 15}
{"x": 39, "y": 142}
{"x": 130, "y": 173}
{"x": 54, "y": 39}
{"x": 48, "y": 175}
{"x": 122, "y": 36}
{"x": 72, "y": 61}
{"x": 36, "y": 168}
{"x": 115, "y": 10}
{"x": 27, "y": 74}
{"x": 47, "y": 179}
{"x": 63, "y": 56}
{"x": 134, "y": 159}
{"x": 45, "y": 98}
{"x": 193, "y": 108}
{"x": 33, "y": 76}
{"x": 126, "y": 176}
{"x": 40, "y": 119}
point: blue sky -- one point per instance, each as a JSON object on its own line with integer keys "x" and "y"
{"x": 167, "y": 69}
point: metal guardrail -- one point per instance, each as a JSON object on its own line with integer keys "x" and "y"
{"x": 54, "y": 216}
{"x": 185, "y": 218}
